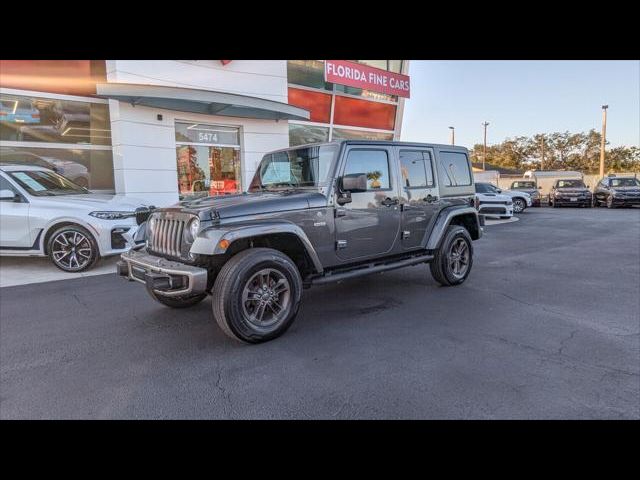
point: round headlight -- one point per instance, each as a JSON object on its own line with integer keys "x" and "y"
{"x": 194, "y": 226}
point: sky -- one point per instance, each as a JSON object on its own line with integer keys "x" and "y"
{"x": 521, "y": 98}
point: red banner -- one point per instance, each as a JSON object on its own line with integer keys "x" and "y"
{"x": 362, "y": 76}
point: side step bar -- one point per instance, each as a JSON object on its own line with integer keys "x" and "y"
{"x": 359, "y": 272}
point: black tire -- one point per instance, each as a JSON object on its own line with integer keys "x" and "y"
{"x": 84, "y": 249}
{"x": 237, "y": 314}
{"x": 594, "y": 201}
{"x": 519, "y": 205}
{"x": 505, "y": 217}
{"x": 441, "y": 268}
{"x": 177, "y": 302}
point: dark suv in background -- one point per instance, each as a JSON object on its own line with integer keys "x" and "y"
{"x": 614, "y": 191}
{"x": 571, "y": 192}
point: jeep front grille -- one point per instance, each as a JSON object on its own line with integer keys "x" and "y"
{"x": 166, "y": 238}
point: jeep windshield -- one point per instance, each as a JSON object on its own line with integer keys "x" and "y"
{"x": 295, "y": 168}
{"x": 570, "y": 184}
{"x": 625, "y": 182}
{"x": 40, "y": 183}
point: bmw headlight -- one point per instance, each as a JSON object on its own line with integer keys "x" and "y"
{"x": 192, "y": 229}
{"x": 112, "y": 215}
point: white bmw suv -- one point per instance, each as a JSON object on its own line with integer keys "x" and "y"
{"x": 490, "y": 203}
{"x": 43, "y": 213}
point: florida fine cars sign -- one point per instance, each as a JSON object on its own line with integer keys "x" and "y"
{"x": 352, "y": 74}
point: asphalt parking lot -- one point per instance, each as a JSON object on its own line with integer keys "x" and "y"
{"x": 547, "y": 326}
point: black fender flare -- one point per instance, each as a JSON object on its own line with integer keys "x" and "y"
{"x": 445, "y": 217}
{"x": 208, "y": 240}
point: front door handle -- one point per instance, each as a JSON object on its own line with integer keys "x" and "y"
{"x": 387, "y": 202}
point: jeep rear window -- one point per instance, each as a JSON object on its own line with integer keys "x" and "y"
{"x": 455, "y": 169}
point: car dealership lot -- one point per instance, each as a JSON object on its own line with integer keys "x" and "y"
{"x": 546, "y": 326}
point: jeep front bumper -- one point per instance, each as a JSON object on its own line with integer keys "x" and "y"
{"x": 162, "y": 276}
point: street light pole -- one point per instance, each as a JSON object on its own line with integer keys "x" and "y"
{"x": 453, "y": 135}
{"x": 542, "y": 159}
{"x": 484, "y": 149}
{"x": 603, "y": 140}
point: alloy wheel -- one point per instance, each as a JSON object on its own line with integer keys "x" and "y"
{"x": 459, "y": 258}
{"x": 518, "y": 205}
{"x": 71, "y": 250}
{"x": 266, "y": 298}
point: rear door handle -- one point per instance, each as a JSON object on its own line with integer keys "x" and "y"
{"x": 387, "y": 202}
{"x": 430, "y": 198}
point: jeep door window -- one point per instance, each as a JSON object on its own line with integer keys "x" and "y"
{"x": 415, "y": 166}
{"x": 300, "y": 167}
{"x": 41, "y": 183}
{"x": 455, "y": 167}
{"x": 374, "y": 164}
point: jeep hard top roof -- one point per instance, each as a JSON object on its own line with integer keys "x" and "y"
{"x": 438, "y": 146}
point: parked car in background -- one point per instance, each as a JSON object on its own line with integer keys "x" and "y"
{"x": 545, "y": 179}
{"x": 617, "y": 191}
{"x": 521, "y": 200}
{"x": 572, "y": 192}
{"x": 45, "y": 214}
{"x": 18, "y": 111}
{"x": 490, "y": 203}
{"x": 530, "y": 187}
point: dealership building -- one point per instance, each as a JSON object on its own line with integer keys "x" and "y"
{"x": 164, "y": 130}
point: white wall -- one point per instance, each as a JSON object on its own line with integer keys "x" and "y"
{"x": 144, "y": 152}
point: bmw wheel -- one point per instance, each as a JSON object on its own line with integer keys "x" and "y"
{"x": 72, "y": 248}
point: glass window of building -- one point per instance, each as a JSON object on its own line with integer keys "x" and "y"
{"x": 364, "y": 113}
{"x": 208, "y": 159}
{"x": 92, "y": 169}
{"x": 308, "y": 73}
{"x": 349, "y": 134}
{"x": 37, "y": 119}
{"x": 300, "y": 134}
{"x": 318, "y": 104}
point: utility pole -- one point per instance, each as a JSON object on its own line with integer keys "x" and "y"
{"x": 484, "y": 150}
{"x": 453, "y": 135}
{"x": 542, "y": 159}
{"x": 604, "y": 138}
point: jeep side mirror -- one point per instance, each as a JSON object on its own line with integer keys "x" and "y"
{"x": 8, "y": 196}
{"x": 354, "y": 183}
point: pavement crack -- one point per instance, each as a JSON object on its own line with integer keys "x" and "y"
{"x": 564, "y": 341}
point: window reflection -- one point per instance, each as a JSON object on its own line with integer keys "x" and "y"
{"x": 34, "y": 119}
{"x": 302, "y": 134}
{"x": 92, "y": 169}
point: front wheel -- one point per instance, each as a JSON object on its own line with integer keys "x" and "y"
{"x": 72, "y": 248}
{"x": 519, "y": 205}
{"x": 452, "y": 262}
{"x": 256, "y": 295}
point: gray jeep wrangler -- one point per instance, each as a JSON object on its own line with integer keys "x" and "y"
{"x": 313, "y": 214}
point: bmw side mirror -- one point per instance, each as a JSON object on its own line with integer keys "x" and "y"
{"x": 8, "y": 196}
{"x": 499, "y": 191}
{"x": 354, "y": 183}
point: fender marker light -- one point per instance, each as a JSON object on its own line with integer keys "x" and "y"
{"x": 224, "y": 244}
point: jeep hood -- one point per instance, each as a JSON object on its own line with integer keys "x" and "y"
{"x": 246, "y": 204}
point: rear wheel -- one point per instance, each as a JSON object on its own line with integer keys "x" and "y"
{"x": 72, "y": 248}
{"x": 256, "y": 295}
{"x": 452, "y": 262}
